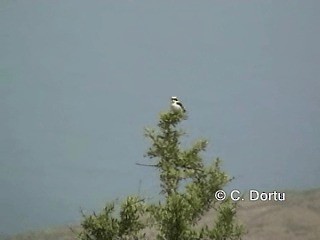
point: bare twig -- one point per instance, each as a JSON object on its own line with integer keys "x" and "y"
{"x": 147, "y": 165}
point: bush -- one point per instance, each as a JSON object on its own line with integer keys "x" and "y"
{"x": 188, "y": 187}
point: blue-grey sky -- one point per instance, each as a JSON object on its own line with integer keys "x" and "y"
{"x": 80, "y": 79}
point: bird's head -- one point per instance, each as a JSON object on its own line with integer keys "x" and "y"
{"x": 174, "y": 99}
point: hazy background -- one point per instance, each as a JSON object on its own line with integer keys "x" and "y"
{"x": 80, "y": 79}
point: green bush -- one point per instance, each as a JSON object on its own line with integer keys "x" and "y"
{"x": 188, "y": 187}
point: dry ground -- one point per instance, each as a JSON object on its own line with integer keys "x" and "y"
{"x": 296, "y": 218}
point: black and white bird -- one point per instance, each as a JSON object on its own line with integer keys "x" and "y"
{"x": 176, "y": 105}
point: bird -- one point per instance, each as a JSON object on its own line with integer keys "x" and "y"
{"x": 176, "y": 105}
